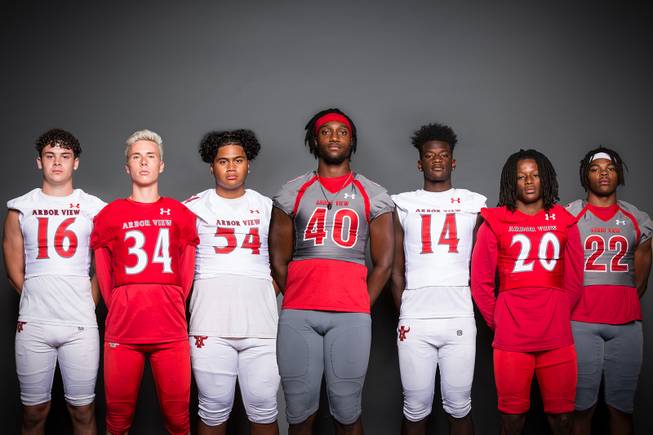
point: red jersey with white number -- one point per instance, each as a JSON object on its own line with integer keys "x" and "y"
{"x": 331, "y": 219}
{"x": 539, "y": 260}
{"x": 610, "y": 237}
{"x": 146, "y": 244}
{"x": 56, "y": 232}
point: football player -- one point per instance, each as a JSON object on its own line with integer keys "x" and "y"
{"x": 47, "y": 258}
{"x": 321, "y": 222}
{"x": 534, "y": 245}
{"x": 233, "y": 309}
{"x": 607, "y": 322}
{"x": 145, "y": 257}
{"x": 434, "y": 234}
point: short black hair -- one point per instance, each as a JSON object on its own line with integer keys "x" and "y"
{"x": 434, "y": 131}
{"x": 216, "y": 139}
{"x": 586, "y": 162}
{"x": 57, "y": 137}
{"x": 508, "y": 183}
{"x": 310, "y": 140}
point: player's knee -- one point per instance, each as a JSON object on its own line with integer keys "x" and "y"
{"x": 82, "y": 415}
{"x": 214, "y": 412}
{"x": 35, "y": 415}
{"x": 457, "y": 405}
{"x": 119, "y": 416}
{"x": 262, "y": 409}
{"x": 417, "y": 405}
{"x": 346, "y": 410}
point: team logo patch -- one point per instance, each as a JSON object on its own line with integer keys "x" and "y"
{"x": 459, "y": 333}
{"x": 402, "y": 332}
{"x": 455, "y": 200}
{"x": 199, "y": 340}
{"x": 618, "y": 222}
{"x": 19, "y": 326}
{"x": 551, "y": 216}
{"x": 165, "y": 211}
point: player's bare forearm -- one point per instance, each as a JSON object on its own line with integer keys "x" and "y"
{"x": 398, "y": 275}
{"x": 642, "y": 266}
{"x": 382, "y": 246}
{"x": 281, "y": 245}
{"x": 95, "y": 290}
{"x": 13, "y": 251}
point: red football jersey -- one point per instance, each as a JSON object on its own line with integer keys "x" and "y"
{"x": 145, "y": 263}
{"x": 530, "y": 247}
{"x": 539, "y": 260}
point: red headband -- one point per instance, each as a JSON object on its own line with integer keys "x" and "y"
{"x": 331, "y": 116}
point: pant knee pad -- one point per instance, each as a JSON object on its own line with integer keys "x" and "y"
{"x": 213, "y": 414}
{"x": 457, "y": 409}
{"x": 80, "y": 400}
{"x": 262, "y": 414}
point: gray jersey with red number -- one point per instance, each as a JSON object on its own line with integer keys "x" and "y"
{"x": 330, "y": 225}
{"x": 610, "y": 244}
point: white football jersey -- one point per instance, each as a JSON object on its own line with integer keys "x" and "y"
{"x": 56, "y": 231}
{"x": 233, "y": 234}
{"x": 438, "y": 235}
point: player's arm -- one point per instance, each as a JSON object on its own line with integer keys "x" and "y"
{"x": 479, "y": 221}
{"x": 642, "y": 266}
{"x": 281, "y": 245}
{"x": 398, "y": 277}
{"x": 484, "y": 268}
{"x": 573, "y": 269}
{"x": 382, "y": 246}
{"x": 13, "y": 250}
{"x": 95, "y": 290}
{"x": 104, "y": 273}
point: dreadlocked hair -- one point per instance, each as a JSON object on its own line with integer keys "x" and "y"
{"x": 586, "y": 162}
{"x": 216, "y": 139}
{"x": 508, "y": 183}
{"x": 57, "y": 137}
{"x": 435, "y": 131}
{"x": 311, "y": 138}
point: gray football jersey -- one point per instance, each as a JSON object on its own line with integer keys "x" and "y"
{"x": 610, "y": 245}
{"x": 329, "y": 225}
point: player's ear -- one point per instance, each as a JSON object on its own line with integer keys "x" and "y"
{"x": 39, "y": 163}
{"x": 419, "y": 166}
{"x": 76, "y": 163}
{"x": 162, "y": 166}
{"x": 453, "y": 164}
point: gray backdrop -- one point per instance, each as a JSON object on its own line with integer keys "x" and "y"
{"x": 557, "y": 76}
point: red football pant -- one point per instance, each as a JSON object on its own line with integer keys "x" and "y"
{"x": 556, "y": 372}
{"x": 123, "y": 370}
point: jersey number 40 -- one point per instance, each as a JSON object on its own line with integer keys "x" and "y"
{"x": 344, "y": 231}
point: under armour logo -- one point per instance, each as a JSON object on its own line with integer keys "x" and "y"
{"x": 459, "y": 333}
{"x": 74, "y": 205}
{"x": 350, "y": 195}
{"x": 113, "y": 345}
{"x": 402, "y": 332}
{"x": 618, "y": 222}
{"x": 164, "y": 211}
{"x": 455, "y": 200}
{"x": 551, "y": 216}
{"x": 199, "y": 340}
{"x": 19, "y": 326}
{"x": 255, "y": 211}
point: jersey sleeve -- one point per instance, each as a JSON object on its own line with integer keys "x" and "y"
{"x": 285, "y": 198}
{"x": 478, "y": 201}
{"x": 573, "y": 266}
{"x": 101, "y": 235}
{"x": 645, "y": 225}
{"x": 484, "y": 267}
{"x": 402, "y": 211}
{"x": 96, "y": 205}
{"x": 380, "y": 203}
{"x": 575, "y": 207}
{"x": 188, "y": 228}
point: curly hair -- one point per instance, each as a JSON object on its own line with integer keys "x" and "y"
{"x": 434, "y": 131}
{"x": 213, "y": 140}
{"x": 508, "y": 183}
{"x": 586, "y": 162}
{"x": 310, "y": 140}
{"x": 57, "y": 137}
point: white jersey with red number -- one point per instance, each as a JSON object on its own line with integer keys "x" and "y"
{"x": 438, "y": 237}
{"x": 56, "y": 232}
{"x": 233, "y": 234}
{"x": 233, "y": 294}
